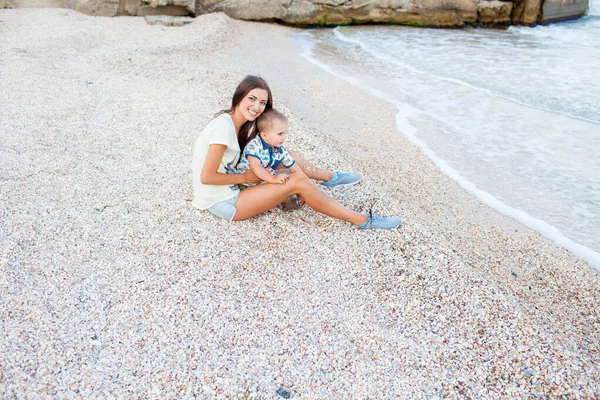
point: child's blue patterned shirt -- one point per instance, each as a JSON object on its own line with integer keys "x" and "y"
{"x": 270, "y": 157}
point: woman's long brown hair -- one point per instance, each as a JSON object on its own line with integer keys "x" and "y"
{"x": 248, "y": 130}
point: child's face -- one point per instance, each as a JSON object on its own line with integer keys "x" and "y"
{"x": 276, "y": 135}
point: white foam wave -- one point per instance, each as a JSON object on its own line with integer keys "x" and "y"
{"x": 559, "y": 34}
{"x": 386, "y": 59}
{"x": 547, "y": 230}
{"x": 403, "y": 125}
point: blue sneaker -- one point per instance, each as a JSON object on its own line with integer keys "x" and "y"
{"x": 376, "y": 222}
{"x": 342, "y": 179}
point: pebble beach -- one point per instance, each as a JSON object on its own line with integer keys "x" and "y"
{"x": 113, "y": 286}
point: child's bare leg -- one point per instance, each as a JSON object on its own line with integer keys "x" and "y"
{"x": 309, "y": 169}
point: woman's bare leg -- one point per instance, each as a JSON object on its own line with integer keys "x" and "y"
{"x": 309, "y": 169}
{"x": 258, "y": 199}
{"x": 283, "y": 170}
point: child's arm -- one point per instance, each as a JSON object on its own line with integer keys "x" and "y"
{"x": 295, "y": 168}
{"x": 289, "y": 160}
{"x": 263, "y": 174}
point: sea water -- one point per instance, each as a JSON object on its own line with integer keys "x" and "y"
{"x": 512, "y": 115}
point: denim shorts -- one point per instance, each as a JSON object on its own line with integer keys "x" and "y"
{"x": 226, "y": 208}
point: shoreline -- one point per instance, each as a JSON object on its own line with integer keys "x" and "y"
{"x": 403, "y": 126}
{"x": 107, "y": 271}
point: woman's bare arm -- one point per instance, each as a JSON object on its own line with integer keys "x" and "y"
{"x": 210, "y": 176}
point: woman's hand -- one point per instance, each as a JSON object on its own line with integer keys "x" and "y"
{"x": 250, "y": 177}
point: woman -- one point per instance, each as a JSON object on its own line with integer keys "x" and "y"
{"x": 217, "y": 151}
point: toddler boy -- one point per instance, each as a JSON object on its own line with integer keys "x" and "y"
{"x": 265, "y": 153}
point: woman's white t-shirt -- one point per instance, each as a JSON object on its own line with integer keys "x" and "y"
{"x": 219, "y": 131}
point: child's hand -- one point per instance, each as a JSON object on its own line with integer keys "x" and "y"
{"x": 281, "y": 179}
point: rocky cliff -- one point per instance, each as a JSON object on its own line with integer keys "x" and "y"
{"x": 438, "y": 13}
{"x": 111, "y": 8}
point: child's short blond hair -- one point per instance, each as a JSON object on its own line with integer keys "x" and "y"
{"x": 265, "y": 120}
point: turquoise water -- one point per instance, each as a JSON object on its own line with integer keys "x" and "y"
{"x": 513, "y": 115}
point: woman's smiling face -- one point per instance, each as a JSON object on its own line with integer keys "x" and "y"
{"x": 253, "y": 104}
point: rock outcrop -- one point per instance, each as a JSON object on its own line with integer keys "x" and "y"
{"x": 103, "y": 8}
{"x": 35, "y": 3}
{"x": 526, "y": 12}
{"x": 336, "y": 12}
{"x": 157, "y": 7}
{"x": 494, "y": 12}
{"x": 111, "y": 8}
{"x": 561, "y": 10}
{"x": 437, "y": 13}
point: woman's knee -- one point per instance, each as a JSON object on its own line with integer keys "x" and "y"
{"x": 299, "y": 180}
